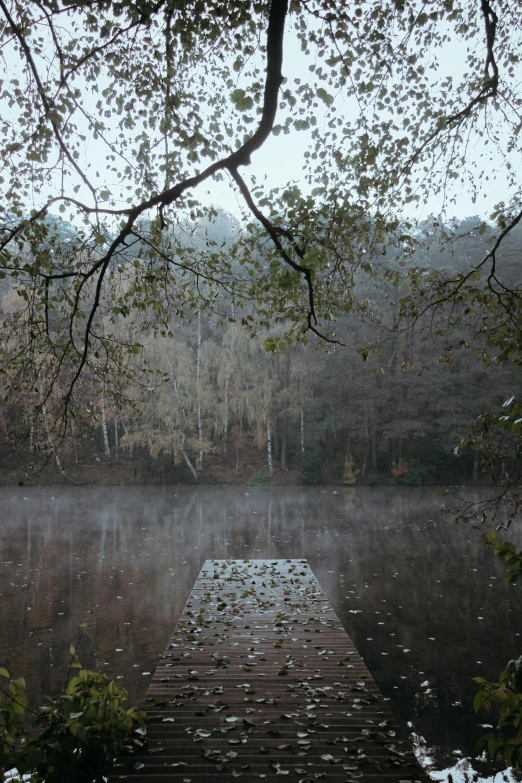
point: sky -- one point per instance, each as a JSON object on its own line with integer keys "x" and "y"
{"x": 281, "y": 157}
{"x": 280, "y": 160}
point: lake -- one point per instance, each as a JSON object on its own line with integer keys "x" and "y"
{"x": 423, "y": 602}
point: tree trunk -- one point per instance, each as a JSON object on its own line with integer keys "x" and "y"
{"x": 283, "y": 454}
{"x": 348, "y": 442}
{"x": 116, "y": 442}
{"x": 275, "y": 439}
{"x": 184, "y": 417}
{"x": 391, "y": 452}
{"x": 284, "y": 438}
{"x": 198, "y": 392}
{"x": 227, "y": 386}
{"x": 366, "y": 448}
{"x": 104, "y": 427}
{"x": 373, "y": 444}
{"x": 225, "y": 423}
{"x": 186, "y": 457}
{"x": 269, "y": 451}
{"x": 302, "y": 432}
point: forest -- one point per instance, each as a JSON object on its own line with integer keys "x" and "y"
{"x": 213, "y": 405}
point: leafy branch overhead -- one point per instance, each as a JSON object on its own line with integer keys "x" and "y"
{"x": 117, "y": 115}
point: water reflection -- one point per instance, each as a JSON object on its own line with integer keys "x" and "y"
{"x": 423, "y": 603}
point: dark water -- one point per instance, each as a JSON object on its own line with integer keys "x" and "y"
{"x": 424, "y": 604}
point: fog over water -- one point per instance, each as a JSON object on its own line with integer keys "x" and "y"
{"x": 423, "y": 603}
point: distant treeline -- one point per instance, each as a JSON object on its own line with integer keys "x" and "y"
{"x": 218, "y": 408}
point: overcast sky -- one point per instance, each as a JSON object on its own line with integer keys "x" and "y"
{"x": 281, "y": 157}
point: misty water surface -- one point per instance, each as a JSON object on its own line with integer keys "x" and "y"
{"x": 424, "y": 604}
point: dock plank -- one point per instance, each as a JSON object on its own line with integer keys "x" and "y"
{"x": 260, "y": 680}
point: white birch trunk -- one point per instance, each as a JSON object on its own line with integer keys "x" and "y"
{"x": 225, "y": 423}
{"x": 116, "y": 442}
{"x": 227, "y": 386}
{"x": 104, "y": 428}
{"x": 198, "y": 392}
{"x": 186, "y": 457}
{"x": 269, "y": 450}
{"x": 184, "y": 417}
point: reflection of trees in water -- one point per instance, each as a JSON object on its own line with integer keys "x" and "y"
{"x": 384, "y": 553}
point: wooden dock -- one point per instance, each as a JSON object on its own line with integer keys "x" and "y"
{"x": 261, "y": 680}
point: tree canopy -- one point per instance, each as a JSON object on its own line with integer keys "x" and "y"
{"x": 115, "y": 114}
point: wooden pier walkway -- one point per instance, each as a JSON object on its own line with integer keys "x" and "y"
{"x": 260, "y": 680}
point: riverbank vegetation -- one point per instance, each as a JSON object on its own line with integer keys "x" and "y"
{"x": 76, "y": 736}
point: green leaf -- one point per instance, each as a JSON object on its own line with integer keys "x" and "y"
{"x": 242, "y": 101}
{"x": 3, "y": 672}
{"x": 479, "y": 699}
{"x": 324, "y": 96}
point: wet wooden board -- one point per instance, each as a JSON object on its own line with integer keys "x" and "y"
{"x": 259, "y": 682}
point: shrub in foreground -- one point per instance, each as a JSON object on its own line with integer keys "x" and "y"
{"x": 74, "y": 737}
